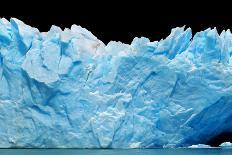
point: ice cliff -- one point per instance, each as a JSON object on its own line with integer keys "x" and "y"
{"x": 66, "y": 88}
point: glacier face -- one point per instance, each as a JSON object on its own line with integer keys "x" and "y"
{"x": 68, "y": 89}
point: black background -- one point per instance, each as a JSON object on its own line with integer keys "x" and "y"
{"x": 123, "y": 20}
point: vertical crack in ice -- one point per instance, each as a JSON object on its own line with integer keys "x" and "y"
{"x": 174, "y": 88}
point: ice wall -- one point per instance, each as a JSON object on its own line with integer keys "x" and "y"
{"x": 66, "y": 88}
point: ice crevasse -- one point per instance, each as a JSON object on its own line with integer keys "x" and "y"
{"x": 67, "y": 89}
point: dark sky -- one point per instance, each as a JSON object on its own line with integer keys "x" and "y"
{"x": 120, "y": 21}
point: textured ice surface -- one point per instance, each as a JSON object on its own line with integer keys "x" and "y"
{"x": 66, "y": 88}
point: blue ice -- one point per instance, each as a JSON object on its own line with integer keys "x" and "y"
{"x": 67, "y": 89}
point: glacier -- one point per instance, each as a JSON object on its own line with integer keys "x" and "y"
{"x": 67, "y": 89}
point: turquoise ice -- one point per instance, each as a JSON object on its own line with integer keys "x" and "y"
{"x": 67, "y": 89}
